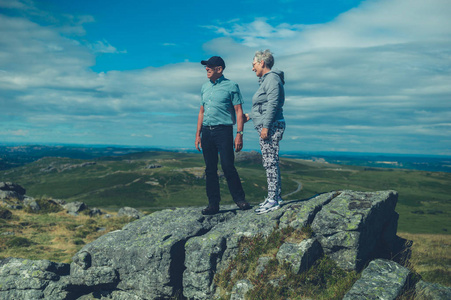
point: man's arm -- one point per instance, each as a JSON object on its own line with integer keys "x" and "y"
{"x": 200, "y": 119}
{"x": 239, "y": 127}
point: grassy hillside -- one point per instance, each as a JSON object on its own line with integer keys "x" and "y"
{"x": 155, "y": 180}
{"x": 53, "y": 236}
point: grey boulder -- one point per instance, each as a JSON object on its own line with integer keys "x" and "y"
{"x": 130, "y": 212}
{"x": 300, "y": 256}
{"x": 382, "y": 279}
{"x": 432, "y": 291}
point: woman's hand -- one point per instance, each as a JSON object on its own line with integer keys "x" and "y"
{"x": 264, "y": 133}
{"x": 246, "y": 118}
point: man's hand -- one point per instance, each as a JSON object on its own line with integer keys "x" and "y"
{"x": 238, "y": 142}
{"x": 198, "y": 143}
{"x": 264, "y": 133}
{"x": 200, "y": 118}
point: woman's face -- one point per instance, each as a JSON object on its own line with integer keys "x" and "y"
{"x": 257, "y": 67}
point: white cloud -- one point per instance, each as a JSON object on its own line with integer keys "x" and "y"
{"x": 19, "y": 132}
{"x": 105, "y": 47}
{"x": 373, "y": 23}
{"x": 258, "y": 33}
{"x": 376, "y": 75}
{"x": 372, "y": 69}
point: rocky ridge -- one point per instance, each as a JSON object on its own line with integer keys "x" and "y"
{"x": 179, "y": 251}
{"x": 13, "y": 196}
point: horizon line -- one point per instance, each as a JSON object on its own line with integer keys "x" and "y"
{"x": 185, "y": 149}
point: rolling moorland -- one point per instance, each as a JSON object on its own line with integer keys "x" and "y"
{"x": 152, "y": 180}
{"x": 155, "y": 180}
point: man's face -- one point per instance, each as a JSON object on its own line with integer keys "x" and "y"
{"x": 213, "y": 72}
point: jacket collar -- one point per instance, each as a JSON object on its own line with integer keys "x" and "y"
{"x": 261, "y": 79}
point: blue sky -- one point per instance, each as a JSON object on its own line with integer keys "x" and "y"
{"x": 361, "y": 76}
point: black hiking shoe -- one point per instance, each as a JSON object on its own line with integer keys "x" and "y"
{"x": 244, "y": 205}
{"x": 210, "y": 210}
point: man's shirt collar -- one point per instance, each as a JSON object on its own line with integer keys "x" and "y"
{"x": 218, "y": 80}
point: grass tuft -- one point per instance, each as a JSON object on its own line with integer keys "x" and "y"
{"x": 276, "y": 281}
{"x": 431, "y": 257}
{"x": 18, "y": 242}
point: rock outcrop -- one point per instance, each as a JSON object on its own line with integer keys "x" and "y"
{"x": 74, "y": 208}
{"x": 33, "y": 279}
{"x": 357, "y": 226}
{"x": 253, "y": 156}
{"x": 179, "y": 251}
{"x": 13, "y": 196}
{"x": 382, "y": 279}
{"x": 65, "y": 167}
{"x": 11, "y": 190}
{"x": 300, "y": 256}
{"x": 427, "y": 291}
{"x": 130, "y": 212}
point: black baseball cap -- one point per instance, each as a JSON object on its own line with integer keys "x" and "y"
{"x": 214, "y": 61}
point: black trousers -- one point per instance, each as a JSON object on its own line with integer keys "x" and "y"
{"x": 219, "y": 139}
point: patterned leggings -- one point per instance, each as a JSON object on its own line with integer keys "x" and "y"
{"x": 270, "y": 156}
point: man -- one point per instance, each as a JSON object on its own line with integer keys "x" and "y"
{"x": 220, "y": 109}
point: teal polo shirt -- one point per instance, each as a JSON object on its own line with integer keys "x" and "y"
{"x": 218, "y": 99}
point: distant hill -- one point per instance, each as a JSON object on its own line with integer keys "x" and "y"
{"x": 372, "y": 160}
{"x": 112, "y": 179}
{"x": 15, "y": 156}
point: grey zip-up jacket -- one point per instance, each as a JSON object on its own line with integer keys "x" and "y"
{"x": 268, "y": 101}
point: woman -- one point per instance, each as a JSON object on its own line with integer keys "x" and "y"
{"x": 267, "y": 115}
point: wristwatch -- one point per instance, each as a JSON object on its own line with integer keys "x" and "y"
{"x": 240, "y": 132}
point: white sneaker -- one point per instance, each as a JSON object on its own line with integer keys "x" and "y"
{"x": 266, "y": 201}
{"x": 263, "y": 203}
{"x": 269, "y": 206}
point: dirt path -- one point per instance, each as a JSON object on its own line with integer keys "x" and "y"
{"x": 297, "y": 190}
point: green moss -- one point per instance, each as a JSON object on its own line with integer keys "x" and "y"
{"x": 36, "y": 273}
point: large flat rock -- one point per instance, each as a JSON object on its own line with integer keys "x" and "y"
{"x": 179, "y": 251}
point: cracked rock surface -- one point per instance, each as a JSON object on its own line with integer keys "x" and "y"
{"x": 178, "y": 252}
{"x": 382, "y": 279}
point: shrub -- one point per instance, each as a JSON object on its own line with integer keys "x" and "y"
{"x": 5, "y": 214}
{"x": 18, "y": 242}
{"x": 47, "y": 206}
{"x": 78, "y": 242}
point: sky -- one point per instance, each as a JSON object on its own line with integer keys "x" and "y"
{"x": 361, "y": 76}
